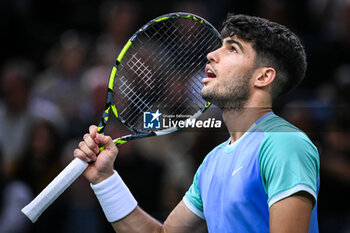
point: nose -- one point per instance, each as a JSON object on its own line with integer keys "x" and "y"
{"x": 213, "y": 56}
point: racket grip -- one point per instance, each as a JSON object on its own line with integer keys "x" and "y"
{"x": 53, "y": 190}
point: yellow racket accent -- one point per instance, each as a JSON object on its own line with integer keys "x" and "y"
{"x": 126, "y": 47}
{"x": 111, "y": 78}
{"x": 116, "y": 142}
{"x": 114, "y": 109}
{"x": 161, "y": 19}
{"x": 114, "y": 70}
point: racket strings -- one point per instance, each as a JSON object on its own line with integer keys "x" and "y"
{"x": 176, "y": 110}
{"x": 179, "y": 71}
{"x": 163, "y": 70}
{"x": 149, "y": 72}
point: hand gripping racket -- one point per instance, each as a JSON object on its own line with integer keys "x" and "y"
{"x": 158, "y": 73}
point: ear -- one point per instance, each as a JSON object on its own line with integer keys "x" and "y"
{"x": 265, "y": 76}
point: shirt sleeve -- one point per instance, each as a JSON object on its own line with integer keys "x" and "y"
{"x": 289, "y": 163}
{"x": 193, "y": 199}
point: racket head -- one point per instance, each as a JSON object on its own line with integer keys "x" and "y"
{"x": 160, "y": 71}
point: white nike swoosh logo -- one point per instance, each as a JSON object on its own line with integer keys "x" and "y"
{"x": 235, "y": 171}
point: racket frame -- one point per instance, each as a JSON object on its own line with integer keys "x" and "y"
{"x": 137, "y": 134}
{"x": 68, "y": 175}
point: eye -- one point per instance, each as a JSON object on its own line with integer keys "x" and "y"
{"x": 233, "y": 49}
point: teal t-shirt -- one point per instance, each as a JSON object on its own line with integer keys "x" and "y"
{"x": 236, "y": 184}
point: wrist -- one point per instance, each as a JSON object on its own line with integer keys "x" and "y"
{"x": 101, "y": 177}
{"x": 115, "y": 198}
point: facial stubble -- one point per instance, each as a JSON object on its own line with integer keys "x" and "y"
{"x": 235, "y": 95}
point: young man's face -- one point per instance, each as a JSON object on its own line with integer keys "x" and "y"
{"x": 229, "y": 73}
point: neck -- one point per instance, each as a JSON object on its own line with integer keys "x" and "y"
{"x": 239, "y": 121}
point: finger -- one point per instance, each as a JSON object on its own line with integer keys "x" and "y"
{"x": 93, "y": 131}
{"x": 106, "y": 141}
{"x": 87, "y": 151}
{"x": 90, "y": 142}
{"x": 81, "y": 155}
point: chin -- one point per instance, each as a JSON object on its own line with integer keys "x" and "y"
{"x": 204, "y": 92}
{"x": 208, "y": 89}
{"x": 207, "y": 95}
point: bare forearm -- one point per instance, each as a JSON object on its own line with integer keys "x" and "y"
{"x": 180, "y": 220}
{"x": 136, "y": 222}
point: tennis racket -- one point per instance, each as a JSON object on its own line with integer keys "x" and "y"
{"x": 158, "y": 73}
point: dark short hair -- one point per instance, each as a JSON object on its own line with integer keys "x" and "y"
{"x": 275, "y": 46}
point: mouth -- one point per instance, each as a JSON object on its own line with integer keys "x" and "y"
{"x": 210, "y": 74}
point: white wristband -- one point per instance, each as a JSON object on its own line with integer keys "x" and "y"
{"x": 114, "y": 197}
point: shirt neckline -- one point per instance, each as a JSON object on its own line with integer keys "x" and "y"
{"x": 250, "y": 130}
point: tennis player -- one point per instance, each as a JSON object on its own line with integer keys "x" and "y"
{"x": 264, "y": 178}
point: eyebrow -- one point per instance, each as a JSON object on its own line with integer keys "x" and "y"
{"x": 233, "y": 41}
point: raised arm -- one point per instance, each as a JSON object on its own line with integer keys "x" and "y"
{"x": 116, "y": 200}
{"x": 180, "y": 220}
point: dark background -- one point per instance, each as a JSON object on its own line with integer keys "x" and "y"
{"x": 56, "y": 54}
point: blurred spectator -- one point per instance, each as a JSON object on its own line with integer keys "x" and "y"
{"x": 15, "y": 114}
{"x": 94, "y": 82}
{"x": 38, "y": 166}
{"x": 41, "y": 156}
{"x": 119, "y": 22}
{"x": 60, "y": 83}
{"x": 14, "y": 194}
{"x": 19, "y": 110}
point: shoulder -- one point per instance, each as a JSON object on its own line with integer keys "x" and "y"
{"x": 288, "y": 161}
{"x": 285, "y": 144}
{"x": 282, "y": 136}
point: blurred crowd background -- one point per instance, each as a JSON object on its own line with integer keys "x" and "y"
{"x": 55, "y": 59}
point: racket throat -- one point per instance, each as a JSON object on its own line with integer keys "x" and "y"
{"x": 105, "y": 115}
{"x": 131, "y": 137}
